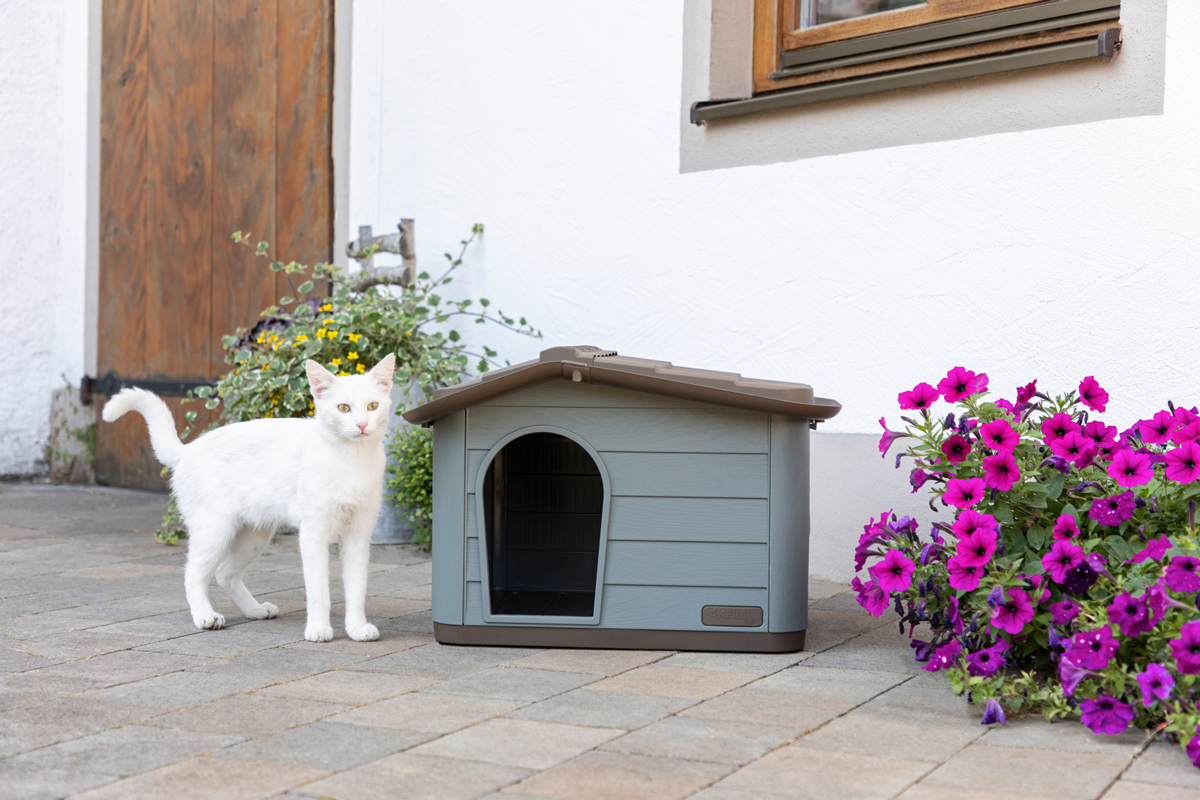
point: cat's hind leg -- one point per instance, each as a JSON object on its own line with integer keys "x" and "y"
{"x": 209, "y": 540}
{"x": 246, "y": 547}
{"x": 314, "y": 552}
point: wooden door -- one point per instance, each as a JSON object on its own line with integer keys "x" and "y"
{"x": 216, "y": 115}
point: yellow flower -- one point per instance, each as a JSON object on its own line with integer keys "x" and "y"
{"x": 320, "y": 333}
{"x": 331, "y": 322}
{"x": 337, "y": 362}
{"x": 353, "y": 356}
{"x": 354, "y": 337}
{"x": 327, "y": 307}
{"x": 361, "y": 368}
{"x": 343, "y": 374}
{"x": 301, "y": 338}
{"x": 266, "y": 367}
{"x": 332, "y": 334}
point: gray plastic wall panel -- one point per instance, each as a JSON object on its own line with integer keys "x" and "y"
{"x": 789, "y": 524}
{"x": 559, "y": 393}
{"x": 449, "y": 521}
{"x": 686, "y": 564}
{"x": 688, "y": 519}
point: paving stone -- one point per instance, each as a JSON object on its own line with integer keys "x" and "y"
{"x": 349, "y": 687}
{"x": 861, "y": 731}
{"x": 195, "y": 779}
{"x": 427, "y": 711}
{"x": 717, "y": 793}
{"x": 1069, "y": 736}
{"x": 182, "y": 689}
{"x": 223, "y": 643}
{"x": 608, "y": 776}
{"x": 603, "y": 709}
{"x": 164, "y": 626}
{"x": 125, "y": 666}
{"x": 35, "y": 626}
{"x": 279, "y": 663}
{"x": 14, "y": 661}
{"x": 1164, "y": 764}
{"x": 69, "y": 718}
{"x": 125, "y": 751}
{"x": 923, "y": 791}
{"x": 421, "y": 622}
{"x": 27, "y": 782}
{"x": 24, "y": 689}
{"x": 518, "y": 743}
{"x": 247, "y": 715}
{"x": 124, "y": 609}
{"x": 805, "y": 773}
{"x": 510, "y": 683}
{"x": 688, "y": 682}
{"x": 127, "y": 570}
{"x": 388, "y": 642}
{"x": 925, "y": 697}
{"x": 1024, "y": 770}
{"x": 1130, "y": 790}
{"x": 791, "y": 710}
{"x": 857, "y": 685}
{"x": 599, "y": 662}
{"x": 443, "y": 661}
{"x": 81, "y": 644}
{"x": 408, "y": 777}
{"x": 694, "y": 739}
{"x": 819, "y": 589}
{"x": 324, "y": 745}
{"x": 829, "y": 628}
{"x": 380, "y": 607}
{"x": 853, "y": 655}
{"x": 757, "y": 664}
{"x": 414, "y": 592}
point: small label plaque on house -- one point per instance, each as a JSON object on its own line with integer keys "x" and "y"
{"x": 732, "y": 616}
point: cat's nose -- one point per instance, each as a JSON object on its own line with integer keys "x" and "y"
{"x": 362, "y": 426}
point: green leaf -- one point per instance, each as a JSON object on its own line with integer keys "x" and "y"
{"x": 1036, "y": 536}
{"x": 286, "y": 300}
{"x": 1003, "y": 513}
{"x": 305, "y": 287}
{"x": 1054, "y": 486}
{"x": 1118, "y": 548}
{"x": 211, "y": 404}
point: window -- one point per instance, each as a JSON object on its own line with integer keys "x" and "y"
{"x": 811, "y": 50}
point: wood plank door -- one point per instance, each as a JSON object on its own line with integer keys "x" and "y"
{"x": 216, "y": 115}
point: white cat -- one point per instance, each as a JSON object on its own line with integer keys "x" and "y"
{"x": 237, "y": 484}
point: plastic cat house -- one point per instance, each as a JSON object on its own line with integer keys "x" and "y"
{"x": 588, "y": 499}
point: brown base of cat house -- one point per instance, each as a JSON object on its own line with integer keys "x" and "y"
{"x": 609, "y": 639}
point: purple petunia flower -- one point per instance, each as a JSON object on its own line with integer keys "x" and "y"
{"x": 1092, "y": 395}
{"x": 1112, "y": 511}
{"x": 1013, "y": 613}
{"x": 1106, "y": 714}
{"x": 987, "y": 662}
{"x": 964, "y": 492}
{"x": 870, "y": 596}
{"x": 894, "y": 572}
{"x": 1157, "y": 429}
{"x": 958, "y": 383}
{"x": 1071, "y": 673}
{"x": 993, "y": 714}
{"x": 885, "y": 441}
{"x": 969, "y": 521}
{"x": 944, "y": 657}
{"x": 1099, "y": 564}
{"x": 1025, "y": 393}
{"x": 1072, "y": 446}
{"x": 1157, "y": 601}
{"x": 919, "y": 398}
{"x": 1065, "y": 527}
{"x": 963, "y": 578}
{"x": 1063, "y": 613}
{"x": 1193, "y": 748}
{"x": 1186, "y": 649}
{"x": 1155, "y": 681}
{"x": 956, "y": 449}
{"x": 1093, "y": 649}
{"x": 1186, "y": 433}
{"x": 1130, "y": 468}
{"x": 1183, "y": 574}
{"x": 999, "y": 436}
{"x": 996, "y": 596}
{"x": 1100, "y": 433}
{"x": 1057, "y": 462}
{"x": 1130, "y": 614}
{"x": 1058, "y": 426}
{"x": 977, "y": 549}
{"x": 1154, "y": 550}
{"x": 1063, "y": 556}
{"x": 917, "y": 478}
{"x": 1183, "y": 463}
{"x": 1079, "y": 579}
{"x": 1008, "y": 408}
{"x": 1000, "y": 471}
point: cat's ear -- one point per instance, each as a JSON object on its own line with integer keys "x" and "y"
{"x": 382, "y": 372}
{"x": 320, "y": 380}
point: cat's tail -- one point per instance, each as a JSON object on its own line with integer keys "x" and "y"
{"x": 163, "y": 438}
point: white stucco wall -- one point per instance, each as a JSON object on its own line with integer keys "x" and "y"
{"x": 1051, "y": 254}
{"x": 43, "y": 211}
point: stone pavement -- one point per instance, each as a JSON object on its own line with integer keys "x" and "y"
{"x": 109, "y": 692}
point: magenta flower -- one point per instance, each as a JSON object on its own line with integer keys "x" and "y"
{"x": 977, "y": 549}
{"x": 986, "y": 662}
{"x": 1000, "y": 471}
{"x": 919, "y": 398}
{"x": 1155, "y": 681}
{"x": 993, "y": 714}
{"x": 1063, "y": 556}
{"x": 1183, "y": 574}
{"x": 1193, "y": 748}
{"x": 917, "y": 479}
{"x": 999, "y": 435}
{"x": 1183, "y": 463}
{"x": 1112, "y": 511}
{"x": 1157, "y": 601}
{"x": 870, "y": 596}
{"x": 1008, "y": 408}
{"x": 1092, "y": 395}
{"x": 970, "y": 521}
{"x": 894, "y": 572}
{"x": 963, "y": 578}
{"x": 956, "y": 449}
{"x": 957, "y": 384}
{"x": 1073, "y": 445}
{"x": 1080, "y": 579}
{"x": 1154, "y": 550}
{"x": 1186, "y": 649}
{"x": 944, "y": 657}
{"x": 1063, "y": 613}
{"x": 1106, "y": 714}
{"x": 1130, "y": 614}
{"x": 1100, "y": 433}
{"x": 1186, "y": 433}
{"x": 1071, "y": 673}
{"x": 1013, "y": 613}
{"x": 885, "y": 441}
{"x": 1157, "y": 429}
{"x": 1058, "y": 426}
{"x": 1129, "y": 468}
{"x": 964, "y": 492}
{"x": 1093, "y": 649}
{"x": 1065, "y": 527}
{"x": 1025, "y": 393}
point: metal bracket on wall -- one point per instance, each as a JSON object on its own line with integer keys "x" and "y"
{"x": 364, "y": 248}
{"x": 111, "y": 383}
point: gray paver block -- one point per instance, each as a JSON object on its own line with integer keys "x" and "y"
{"x": 600, "y": 776}
{"x": 24, "y": 689}
{"x": 29, "y": 782}
{"x": 322, "y": 744}
{"x": 195, "y": 779}
{"x": 427, "y": 712}
{"x": 224, "y": 643}
{"x": 247, "y": 715}
{"x": 81, "y": 644}
{"x": 125, "y": 666}
{"x": 861, "y": 731}
{"x": 603, "y": 709}
{"x": 1068, "y": 776}
{"x": 125, "y": 751}
{"x": 388, "y": 642}
{"x": 685, "y": 682}
{"x": 599, "y": 662}
{"x": 923, "y": 791}
{"x": 791, "y": 710}
{"x": 410, "y": 777}
{"x": 69, "y": 718}
{"x": 350, "y": 687}
{"x": 804, "y": 773}
{"x": 829, "y": 628}
{"x": 279, "y": 663}
{"x": 443, "y": 661}
{"x": 1164, "y": 764}
{"x": 925, "y": 697}
{"x": 855, "y": 685}
{"x": 853, "y": 655}
{"x": 1131, "y": 790}
{"x": 757, "y": 664}
{"x": 1069, "y": 736}
{"x": 693, "y": 739}
{"x": 518, "y": 743}
{"x": 511, "y": 683}
{"x": 182, "y": 689}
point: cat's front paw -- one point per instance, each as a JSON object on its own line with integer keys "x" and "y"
{"x": 363, "y": 633}
{"x": 318, "y": 633}
{"x": 208, "y": 621}
{"x": 265, "y": 611}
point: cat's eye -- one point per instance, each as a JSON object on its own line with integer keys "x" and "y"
{"x": 342, "y": 407}
{"x": 372, "y": 406}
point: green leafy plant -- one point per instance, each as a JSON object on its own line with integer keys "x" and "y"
{"x": 409, "y": 481}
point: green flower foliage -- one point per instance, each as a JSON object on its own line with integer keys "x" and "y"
{"x": 409, "y": 482}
